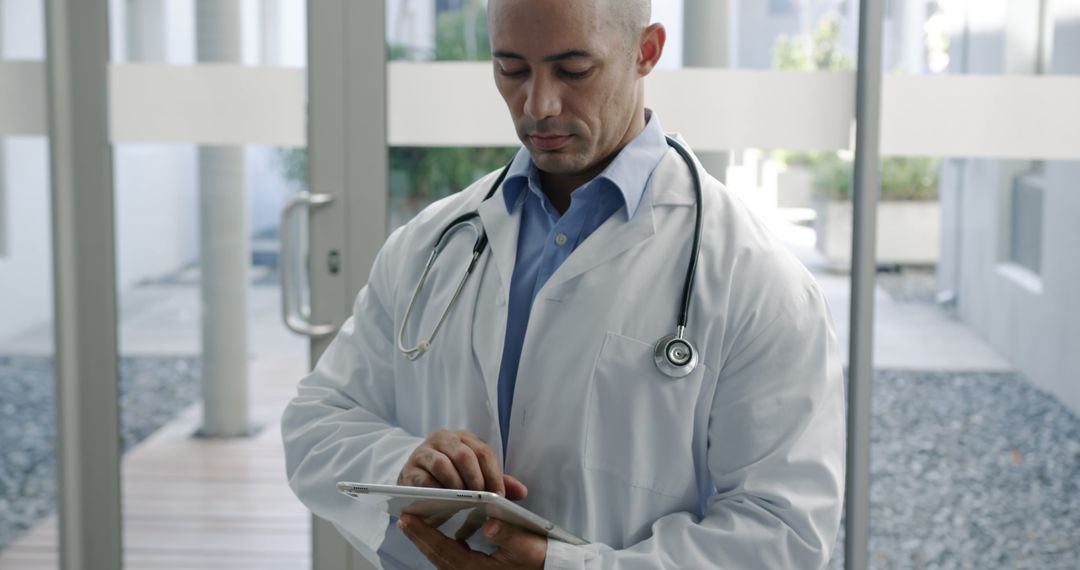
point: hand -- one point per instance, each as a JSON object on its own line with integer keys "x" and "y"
{"x": 459, "y": 460}
{"x": 518, "y": 549}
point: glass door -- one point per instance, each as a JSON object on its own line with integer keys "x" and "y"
{"x": 206, "y": 361}
{"x": 28, "y": 480}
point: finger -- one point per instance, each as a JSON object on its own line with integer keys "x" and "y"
{"x": 489, "y": 463}
{"x": 515, "y": 490}
{"x": 465, "y": 462}
{"x": 439, "y": 549}
{"x": 441, "y": 468}
{"x": 472, "y": 523}
{"x": 516, "y": 545}
{"x": 435, "y": 521}
{"x": 417, "y": 477}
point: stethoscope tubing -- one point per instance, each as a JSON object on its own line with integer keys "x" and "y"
{"x": 695, "y": 248}
{"x": 671, "y": 368}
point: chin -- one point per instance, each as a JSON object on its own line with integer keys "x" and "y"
{"x": 557, "y": 162}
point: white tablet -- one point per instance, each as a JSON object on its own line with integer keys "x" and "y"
{"x": 442, "y": 504}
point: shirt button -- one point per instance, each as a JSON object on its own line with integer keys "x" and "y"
{"x": 560, "y": 239}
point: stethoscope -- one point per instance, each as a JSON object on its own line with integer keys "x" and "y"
{"x": 674, "y": 354}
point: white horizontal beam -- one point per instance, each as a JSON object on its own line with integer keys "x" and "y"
{"x": 716, "y": 109}
{"x": 990, "y": 116}
{"x": 456, "y": 104}
{"x": 213, "y": 104}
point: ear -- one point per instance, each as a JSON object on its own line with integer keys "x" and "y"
{"x": 651, "y": 48}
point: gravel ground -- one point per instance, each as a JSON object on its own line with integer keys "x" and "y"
{"x": 969, "y": 470}
{"x": 909, "y": 284}
{"x": 972, "y": 471}
{"x": 153, "y": 391}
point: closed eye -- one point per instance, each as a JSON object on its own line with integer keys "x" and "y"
{"x": 574, "y": 74}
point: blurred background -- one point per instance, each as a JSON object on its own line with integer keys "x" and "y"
{"x": 975, "y": 441}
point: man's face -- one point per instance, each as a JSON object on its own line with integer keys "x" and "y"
{"x": 568, "y": 72}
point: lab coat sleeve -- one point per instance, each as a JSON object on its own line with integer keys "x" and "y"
{"x": 341, "y": 424}
{"x": 775, "y": 456}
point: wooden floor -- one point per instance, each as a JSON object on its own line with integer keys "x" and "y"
{"x": 195, "y": 504}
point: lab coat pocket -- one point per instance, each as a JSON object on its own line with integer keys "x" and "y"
{"x": 641, "y": 422}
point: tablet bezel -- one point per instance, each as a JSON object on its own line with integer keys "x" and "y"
{"x": 495, "y": 506}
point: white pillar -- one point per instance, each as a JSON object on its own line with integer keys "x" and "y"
{"x": 707, "y": 43}
{"x": 224, "y": 247}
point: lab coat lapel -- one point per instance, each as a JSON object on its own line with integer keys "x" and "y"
{"x": 613, "y": 237}
{"x": 502, "y": 231}
{"x": 489, "y": 325}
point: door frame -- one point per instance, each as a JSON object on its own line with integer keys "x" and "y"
{"x": 347, "y": 159}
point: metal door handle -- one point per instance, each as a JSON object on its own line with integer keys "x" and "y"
{"x": 295, "y": 312}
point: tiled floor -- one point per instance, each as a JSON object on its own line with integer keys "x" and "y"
{"x": 192, "y": 503}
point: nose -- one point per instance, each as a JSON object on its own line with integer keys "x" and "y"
{"x": 542, "y": 99}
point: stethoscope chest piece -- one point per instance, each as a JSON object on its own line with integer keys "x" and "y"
{"x": 675, "y": 356}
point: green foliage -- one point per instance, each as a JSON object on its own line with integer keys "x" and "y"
{"x": 432, "y": 173}
{"x": 910, "y": 178}
{"x": 902, "y": 178}
{"x": 462, "y": 35}
{"x": 821, "y": 52}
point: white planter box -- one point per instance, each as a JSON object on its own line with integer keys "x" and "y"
{"x": 908, "y": 233}
{"x": 795, "y": 188}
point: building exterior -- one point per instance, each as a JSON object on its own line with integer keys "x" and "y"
{"x": 1010, "y": 262}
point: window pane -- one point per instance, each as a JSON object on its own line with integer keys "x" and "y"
{"x": 27, "y": 382}
{"x": 974, "y": 459}
{"x": 202, "y": 341}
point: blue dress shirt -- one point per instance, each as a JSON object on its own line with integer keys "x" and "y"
{"x": 547, "y": 238}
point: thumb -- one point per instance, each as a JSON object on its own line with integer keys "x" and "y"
{"x": 516, "y": 546}
{"x": 515, "y": 490}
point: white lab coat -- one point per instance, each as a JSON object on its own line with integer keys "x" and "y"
{"x": 738, "y": 465}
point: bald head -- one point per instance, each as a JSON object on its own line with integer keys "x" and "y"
{"x": 632, "y": 15}
{"x": 628, "y": 17}
{"x": 572, "y": 75}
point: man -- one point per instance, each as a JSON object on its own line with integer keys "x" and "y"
{"x": 541, "y": 383}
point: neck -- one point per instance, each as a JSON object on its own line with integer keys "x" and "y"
{"x": 559, "y": 187}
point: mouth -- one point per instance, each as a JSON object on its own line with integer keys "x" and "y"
{"x": 549, "y": 141}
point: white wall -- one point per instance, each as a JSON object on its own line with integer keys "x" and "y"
{"x": 156, "y": 205}
{"x": 1036, "y": 330}
{"x": 26, "y": 270}
{"x": 267, "y": 190}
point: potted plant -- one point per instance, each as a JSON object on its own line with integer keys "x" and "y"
{"x": 909, "y": 215}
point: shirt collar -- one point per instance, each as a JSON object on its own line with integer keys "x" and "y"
{"x": 629, "y": 172}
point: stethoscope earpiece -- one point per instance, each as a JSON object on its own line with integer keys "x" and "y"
{"x": 675, "y": 356}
